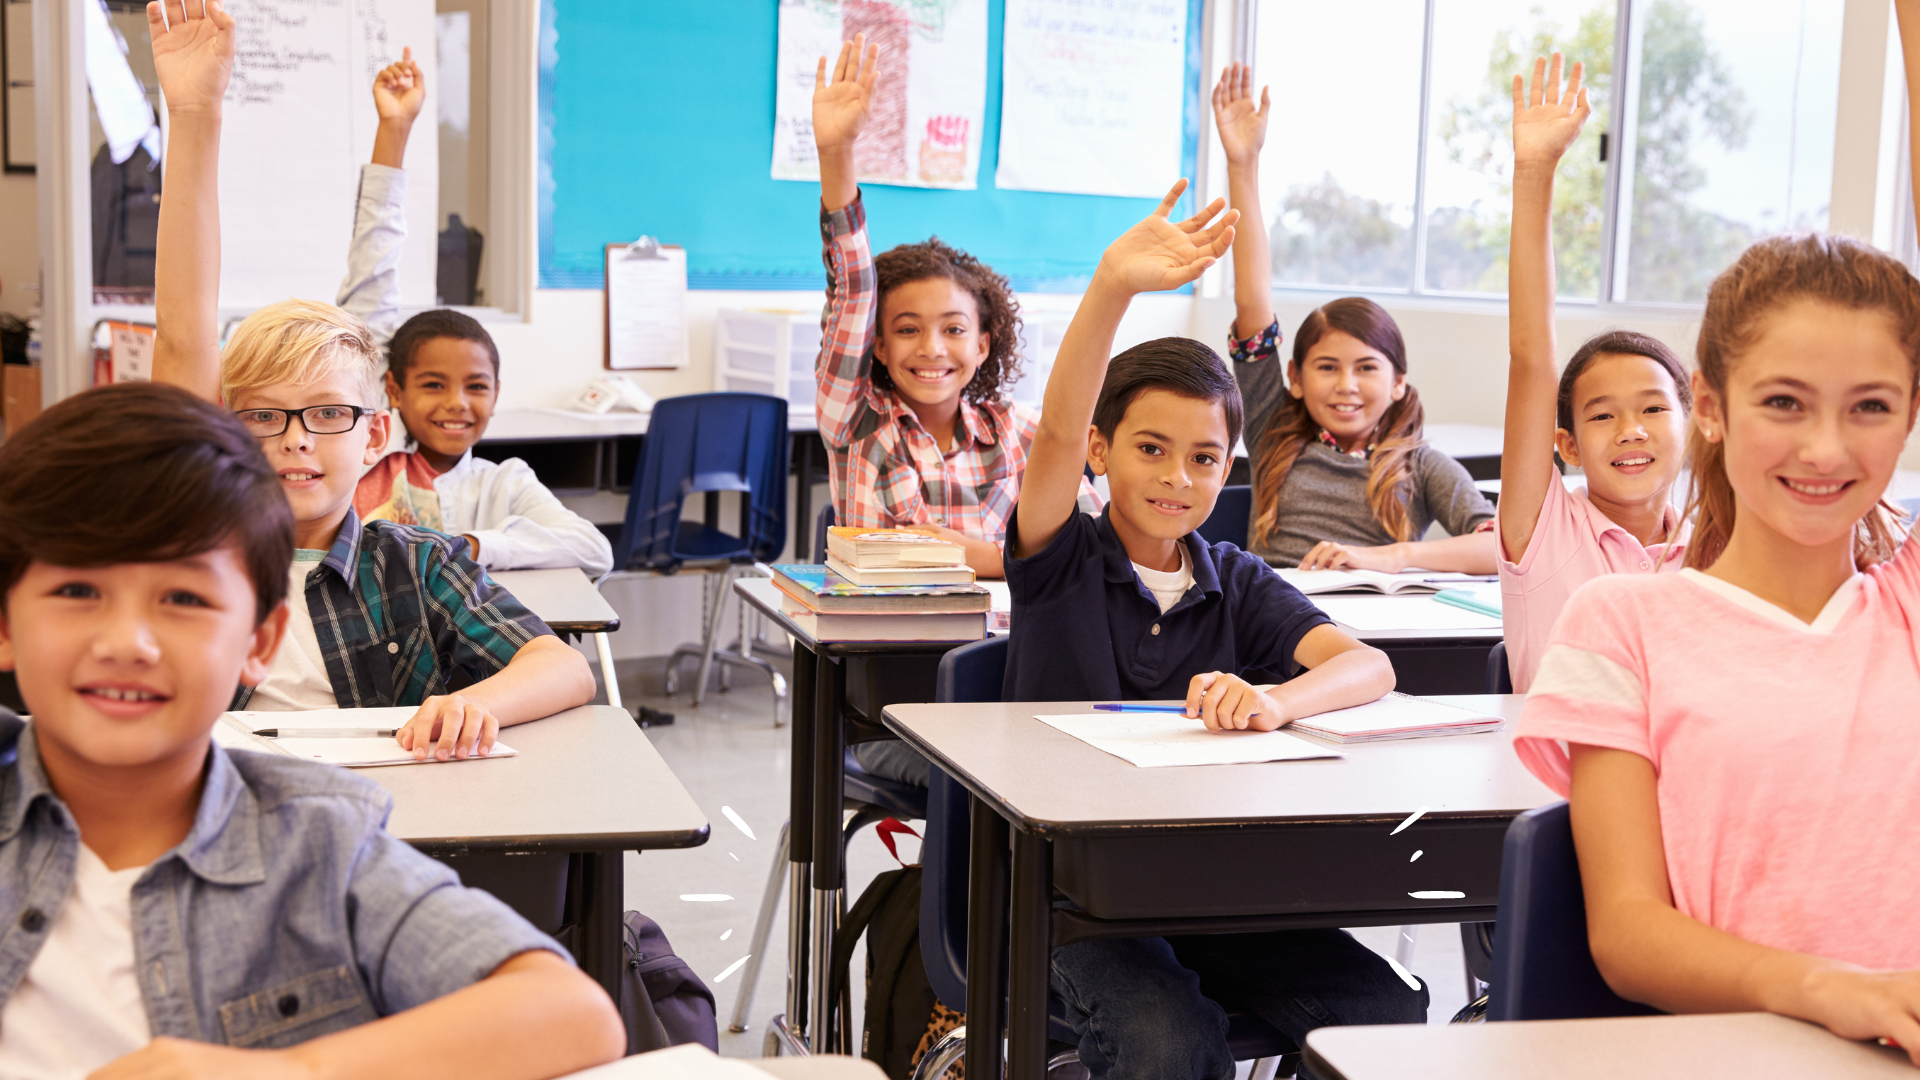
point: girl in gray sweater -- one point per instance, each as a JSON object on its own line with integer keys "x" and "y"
{"x": 1342, "y": 474}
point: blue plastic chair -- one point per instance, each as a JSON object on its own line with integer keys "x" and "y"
{"x": 698, "y": 444}
{"x": 973, "y": 673}
{"x": 1232, "y": 514}
{"x": 1542, "y": 968}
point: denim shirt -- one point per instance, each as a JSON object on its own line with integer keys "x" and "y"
{"x": 287, "y": 913}
{"x": 403, "y": 613}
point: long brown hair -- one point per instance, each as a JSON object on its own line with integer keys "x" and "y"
{"x": 1835, "y": 270}
{"x": 1400, "y": 433}
{"x": 905, "y": 264}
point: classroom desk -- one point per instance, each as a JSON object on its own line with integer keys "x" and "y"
{"x": 819, "y": 765}
{"x": 1219, "y": 849}
{"x": 1476, "y": 446}
{"x": 578, "y": 453}
{"x": 567, "y": 602}
{"x": 1430, "y": 661}
{"x": 1735, "y": 1046}
{"x": 585, "y": 782}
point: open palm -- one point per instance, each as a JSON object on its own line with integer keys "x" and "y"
{"x": 841, "y": 107}
{"x": 1242, "y": 124}
{"x": 1160, "y": 254}
{"x": 192, "y": 51}
{"x": 1545, "y": 119}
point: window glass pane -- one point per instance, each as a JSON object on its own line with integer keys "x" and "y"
{"x": 1337, "y": 176}
{"x": 460, "y": 103}
{"x": 1478, "y": 47}
{"x": 1736, "y": 104}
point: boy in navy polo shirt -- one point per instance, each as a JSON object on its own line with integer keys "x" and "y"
{"x": 1135, "y": 604}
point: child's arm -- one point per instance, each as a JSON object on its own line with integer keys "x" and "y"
{"x": 1153, "y": 255}
{"x": 1243, "y": 131}
{"x": 371, "y": 289}
{"x": 983, "y": 556}
{"x": 840, "y": 110}
{"x": 539, "y": 531}
{"x": 535, "y": 1016}
{"x": 193, "y": 56}
{"x": 1341, "y": 673}
{"x": 1468, "y": 553}
{"x": 544, "y": 677}
{"x": 1649, "y": 951}
{"x": 1545, "y": 123}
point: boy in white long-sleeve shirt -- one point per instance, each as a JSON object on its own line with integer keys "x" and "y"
{"x": 443, "y": 374}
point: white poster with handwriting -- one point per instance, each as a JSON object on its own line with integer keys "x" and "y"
{"x": 299, "y": 124}
{"x": 1092, "y": 94}
{"x": 929, "y": 103}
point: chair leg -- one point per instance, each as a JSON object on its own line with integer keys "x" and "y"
{"x": 942, "y": 1055}
{"x": 762, "y": 929}
{"x": 1267, "y": 1068}
{"x": 605, "y": 649}
{"x": 713, "y": 631}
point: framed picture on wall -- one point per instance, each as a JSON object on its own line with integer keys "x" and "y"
{"x": 16, "y": 84}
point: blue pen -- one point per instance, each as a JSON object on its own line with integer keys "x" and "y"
{"x": 1128, "y": 706}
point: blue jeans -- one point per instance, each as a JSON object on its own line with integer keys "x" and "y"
{"x": 1156, "y": 1008}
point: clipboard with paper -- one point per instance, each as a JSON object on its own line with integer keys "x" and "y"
{"x": 646, "y": 305}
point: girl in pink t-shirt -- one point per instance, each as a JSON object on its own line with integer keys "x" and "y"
{"x": 1618, "y": 411}
{"x": 1742, "y": 738}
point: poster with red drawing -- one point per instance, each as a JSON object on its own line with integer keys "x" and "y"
{"x": 929, "y": 103}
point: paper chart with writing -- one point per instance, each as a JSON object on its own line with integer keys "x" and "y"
{"x": 1158, "y": 740}
{"x": 299, "y": 123}
{"x": 1092, "y": 95}
{"x": 646, "y": 308}
{"x": 930, "y": 101}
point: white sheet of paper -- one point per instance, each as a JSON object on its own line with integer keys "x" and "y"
{"x": 1398, "y": 714}
{"x": 348, "y": 752}
{"x": 1092, "y": 96}
{"x": 929, "y": 104}
{"x": 1401, "y": 613}
{"x": 1156, "y": 740}
{"x": 647, "y": 310}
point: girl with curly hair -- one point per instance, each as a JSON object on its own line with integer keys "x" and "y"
{"x": 918, "y": 356}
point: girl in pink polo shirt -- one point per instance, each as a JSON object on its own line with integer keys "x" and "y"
{"x": 1741, "y": 740}
{"x": 1618, "y": 411}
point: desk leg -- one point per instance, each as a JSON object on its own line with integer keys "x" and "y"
{"x": 800, "y": 840}
{"x": 603, "y": 886}
{"x": 605, "y": 649}
{"x": 829, "y": 871}
{"x": 986, "y": 940}
{"x": 1031, "y": 923}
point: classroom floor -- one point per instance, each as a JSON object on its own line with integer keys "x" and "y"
{"x": 729, "y": 754}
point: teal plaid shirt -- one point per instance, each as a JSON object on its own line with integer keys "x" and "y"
{"x": 403, "y": 613}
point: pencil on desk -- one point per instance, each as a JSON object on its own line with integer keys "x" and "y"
{"x": 327, "y": 733}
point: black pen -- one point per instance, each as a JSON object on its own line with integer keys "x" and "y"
{"x": 326, "y": 733}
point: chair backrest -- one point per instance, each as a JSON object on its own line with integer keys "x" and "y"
{"x": 969, "y": 673}
{"x": 701, "y": 443}
{"x": 821, "y": 524}
{"x": 1232, "y": 512}
{"x": 1499, "y": 677}
{"x": 1542, "y": 968}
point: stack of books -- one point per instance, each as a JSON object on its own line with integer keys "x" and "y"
{"x": 885, "y": 585}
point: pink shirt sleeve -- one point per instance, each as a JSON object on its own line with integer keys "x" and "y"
{"x": 1590, "y": 687}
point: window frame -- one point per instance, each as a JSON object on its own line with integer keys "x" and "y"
{"x": 1864, "y": 43}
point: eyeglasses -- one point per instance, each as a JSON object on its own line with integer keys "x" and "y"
{"x": 317, "y": 419}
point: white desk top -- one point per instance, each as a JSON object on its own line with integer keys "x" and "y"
{"x": 1488, "y": 634}
{"x": 565, "y": 599}
{"x": 584, "y": 780}
{"x": 1740, "y": 1046}
{"x": 1052, "y": 781}
{"x": 1466, "y": 440}
{"x": 541, "y": 425}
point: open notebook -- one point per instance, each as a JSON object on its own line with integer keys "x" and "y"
{"x": 1154, "y": 740}
{"x": 235, "y": 731}
{"x": 1326, "y": 581}
{"x": 1396, "y": 716}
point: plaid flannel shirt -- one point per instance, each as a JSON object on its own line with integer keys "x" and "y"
{"x": 403, "y": 613}
{"x": 886, "y": 469}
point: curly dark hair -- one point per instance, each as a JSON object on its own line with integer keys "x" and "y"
{"x": 438, "y": 323}
{"x": 999, "y": 311}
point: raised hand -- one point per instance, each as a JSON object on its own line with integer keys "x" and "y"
{"x": 1242, "y": 126}
{"x": 1546, "y": 120}
{"x": 1160, "y": 254}
{"x": 192, "y": 52}
{"x": 841, "y": 107}
{"x": 399, "y": 90}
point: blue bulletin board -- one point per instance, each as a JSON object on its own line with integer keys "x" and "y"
{"x": 656, "y": 117}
